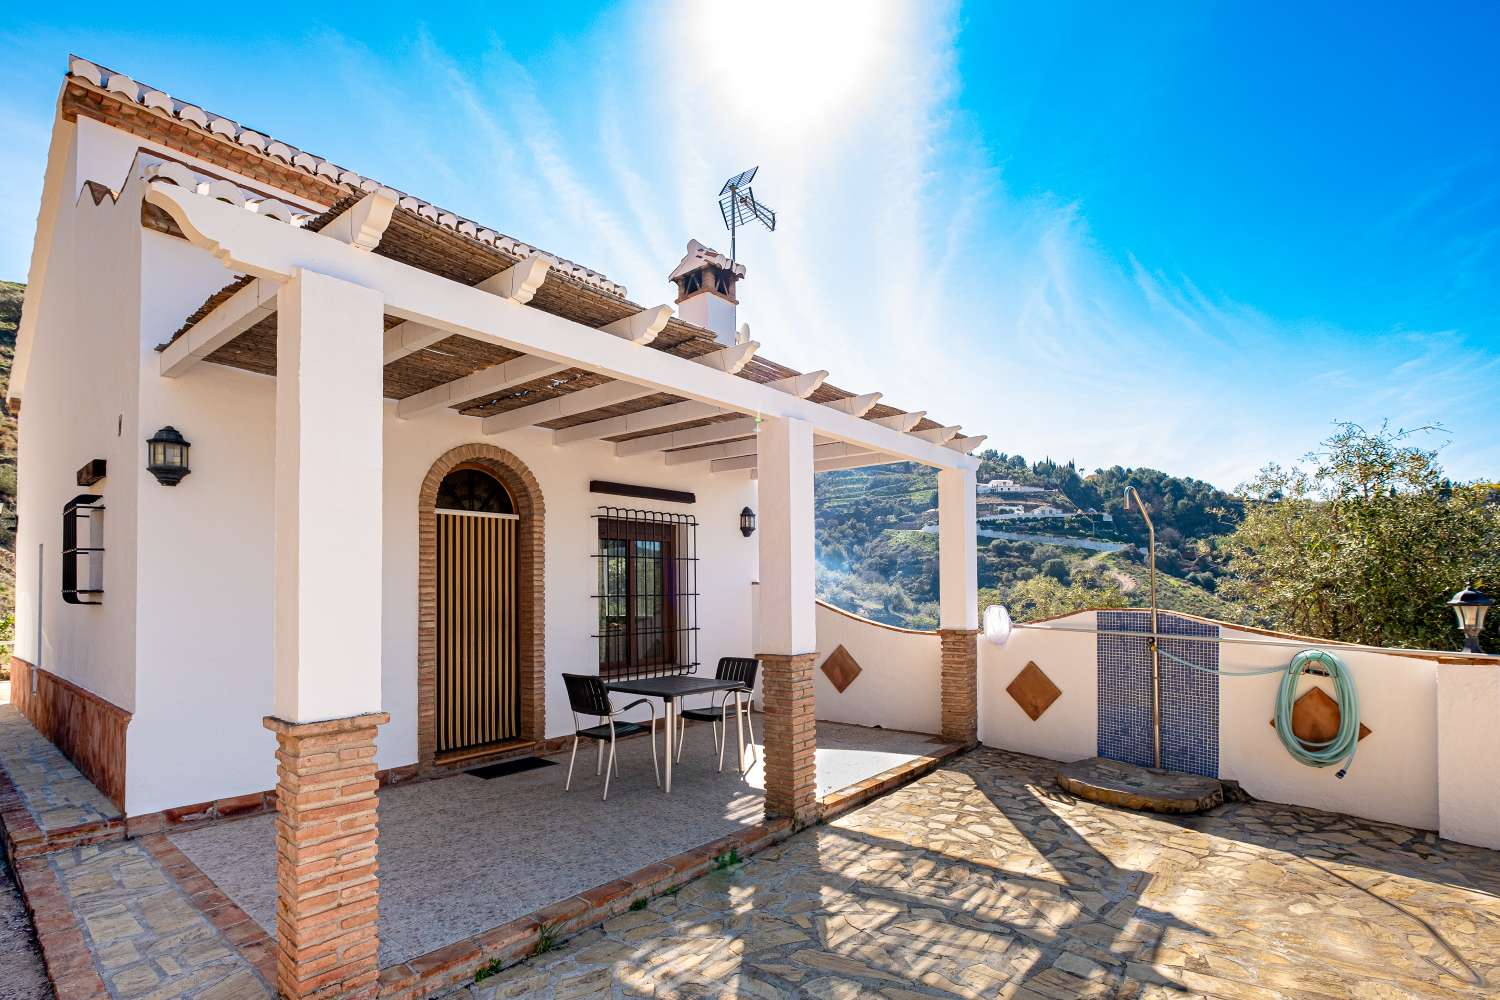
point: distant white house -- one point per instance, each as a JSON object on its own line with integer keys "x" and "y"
{"x": 1008, "y": 486}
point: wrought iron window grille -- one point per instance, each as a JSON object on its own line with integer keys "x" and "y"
{"x": 83, "y": 561}
{"x": 647, "y": 593}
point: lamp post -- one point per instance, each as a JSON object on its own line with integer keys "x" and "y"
{"x": 1469, "y": 607}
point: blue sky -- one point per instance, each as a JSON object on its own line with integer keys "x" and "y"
{"x": 1188, "y": 237}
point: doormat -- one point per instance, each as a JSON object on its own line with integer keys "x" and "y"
{"x": 511, "y": 767}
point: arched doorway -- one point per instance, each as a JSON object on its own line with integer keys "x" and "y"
{"x": 479, "y": 651}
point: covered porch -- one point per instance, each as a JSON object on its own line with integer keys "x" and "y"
{"x": 466, "y": 854}
{"x": 368, "y": 338}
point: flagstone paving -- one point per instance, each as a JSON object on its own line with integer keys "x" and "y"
{"x": 54, "y": 792}
{"x": 146, "y": 937}
{"x": 984, "y": 880}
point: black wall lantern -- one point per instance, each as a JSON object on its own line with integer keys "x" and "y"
{"x": 1470, "y": 607}
{"x": 167, "y": 456}
{"x": 747, "y": 522}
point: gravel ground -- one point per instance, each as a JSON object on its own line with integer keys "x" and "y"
{"x": 21, "y": 974}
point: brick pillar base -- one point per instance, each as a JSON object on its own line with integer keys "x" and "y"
{"x": 327, "y": 892}
{"x": 791, "y": 736}
{"x": 960, "y": 682}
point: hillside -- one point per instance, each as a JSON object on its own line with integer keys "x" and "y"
{"x": 1051, "y": 540}
{"x": 10, "y": 315}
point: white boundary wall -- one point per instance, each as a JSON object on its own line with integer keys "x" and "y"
{"x": 899, "y": 686}
{"x": 1398, "y": 773}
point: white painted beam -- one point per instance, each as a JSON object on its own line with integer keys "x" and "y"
{"x": 902, "y": 422}
{"x": 856, "y": 406}
{"x": 519, "y": 282}
{"x": 724, "y": 430}
{"x": 709, "y": 452}
{"x": 409, "y": 338}
{"x": 495, "y": 378}
{"x": 641, "y": 328}
{"x": 967, "y": 445}
{"x": 630, "y": 423}
{"x": 730, "y": 359}
{"x": 227, "y": 320}
{"x": 801, "y": 386}
{"x": 938, "y": 435}
{"x": 856, "y": 462}
{"x": 362, "y": 224}
{"x": 266, "y": 248}
{"x": 740, "y": 455}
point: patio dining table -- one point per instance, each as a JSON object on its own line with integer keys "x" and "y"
{"x": 671, "y": 687}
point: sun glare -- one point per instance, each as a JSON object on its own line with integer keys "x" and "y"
{"x": 789, "y": 64}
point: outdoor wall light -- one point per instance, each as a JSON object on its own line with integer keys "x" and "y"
{"x": 167, "y": 456}
{"x": 1470, "y": 607}
{"x": 747, "y": 522}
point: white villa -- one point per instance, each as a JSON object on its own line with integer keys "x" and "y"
{"x": 302, "y": 455}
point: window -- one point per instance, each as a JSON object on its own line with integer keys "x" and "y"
{"x": 83, "y": 550}
{"x": 646, "y": 593}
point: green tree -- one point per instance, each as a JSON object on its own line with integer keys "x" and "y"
{"x": 1365, "y": 545}
{"x": 1043, "y": 597}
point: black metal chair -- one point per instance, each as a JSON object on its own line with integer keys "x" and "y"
{"x": 731, "y": 668}
{"x": 588, "y": 696}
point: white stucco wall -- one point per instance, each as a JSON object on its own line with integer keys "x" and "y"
{"x": 1468, "y": 725}
{"x": 80, "y": 404}
{"x": 899, "y": 685}
{"x": 1068, "y": 730}
{"x": 1394, "y": 776}
{"x": 1395, "y": 773}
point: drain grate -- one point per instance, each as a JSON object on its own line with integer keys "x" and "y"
{"x": 516, "y": 766}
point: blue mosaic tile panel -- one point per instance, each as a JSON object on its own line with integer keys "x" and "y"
{"x": 1189, "y": 698}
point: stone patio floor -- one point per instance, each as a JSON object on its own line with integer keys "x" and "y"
{"x": 462, "y": 854}
{"x": 983, "y": 880}
{"x": 54, "y": 792}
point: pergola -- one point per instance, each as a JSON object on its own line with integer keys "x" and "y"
{"x": 374, "y": 300}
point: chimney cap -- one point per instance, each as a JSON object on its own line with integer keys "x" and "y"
{"x": 699, "y": 257}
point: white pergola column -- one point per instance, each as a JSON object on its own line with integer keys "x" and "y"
{"x": 326, "y": 699}
{"x": 958, "y": 604}
{"x": 788, "y": 625}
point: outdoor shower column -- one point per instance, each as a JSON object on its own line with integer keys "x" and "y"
{"x": 788, "y": 628}
{"x": 958, "y": 604}
{"x": 326, "y": 697}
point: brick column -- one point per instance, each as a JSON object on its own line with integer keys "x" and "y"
{"x": 791, "y": 736}
{"x": 327, "y": 890}
{"x": 960, "y": 683}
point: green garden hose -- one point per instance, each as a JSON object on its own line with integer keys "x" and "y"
{"x": 1342, "y": 747}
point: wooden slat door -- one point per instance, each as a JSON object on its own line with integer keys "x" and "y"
{"x": 478, "y": 668}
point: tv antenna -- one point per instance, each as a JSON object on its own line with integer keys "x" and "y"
{"x": 738, "y": 206}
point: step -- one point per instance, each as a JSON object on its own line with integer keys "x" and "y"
{"x": 1145, "y": 788}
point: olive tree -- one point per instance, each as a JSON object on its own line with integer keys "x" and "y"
{"x": 1363, "y": 542}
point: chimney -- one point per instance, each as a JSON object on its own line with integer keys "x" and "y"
{"x": 706, "y": 291}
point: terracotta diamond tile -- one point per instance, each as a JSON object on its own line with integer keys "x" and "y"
{"x": 841, "y": 669}
{"x": 1033, "y": 691}
{"x": 1315, "y": 718}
